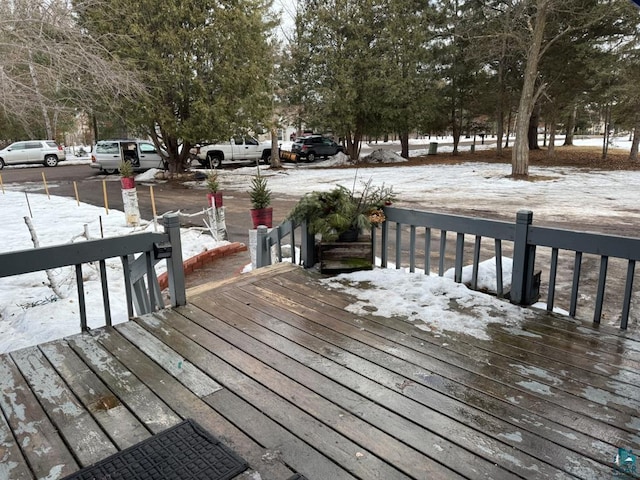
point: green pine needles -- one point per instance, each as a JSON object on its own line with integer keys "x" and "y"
{"x": 126, "y": 169}
{"x": 337, "y": 211}
{"x": 259, "y": 193}
{"x": 213, "y": 185}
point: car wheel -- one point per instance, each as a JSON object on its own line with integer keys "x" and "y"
{"x": 311, "y": 157}
{"x": 110, "y": 171}
{"x": 1, "y": 164}
{"x": 266, "y": 159}
{"x": 51, "y": 160}
{"x": 214, "y": 160}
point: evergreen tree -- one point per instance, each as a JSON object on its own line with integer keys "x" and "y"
{"x": 206, "y": 66}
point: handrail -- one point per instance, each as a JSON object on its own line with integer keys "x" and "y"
{"x": 141, "y": 296}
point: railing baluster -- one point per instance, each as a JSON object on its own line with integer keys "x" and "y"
{"x": 499, "y": 282}
{"x": 279, "y": 244}
{"x": 628, "y": 288}
{"x": 81, "y": 302}
{"x": 412, "y": 249}
{"x": 293, "y": 244}
{"x": 153, "y": 301}
{"x": 576, "y": 282}
{"x": 427, "y": 251}
{"x": 602, "y": 279}
{"x": 553, "y": 271}
{"x": 105, "y": 292}
{"x": 384, "y": 243}
{"x": 126, "y": 271}
{"x": 476, "y": 263}
{"x": 443, "y": 247}
{"x": 457, "y": 276}
{"x": 398, "y": 245}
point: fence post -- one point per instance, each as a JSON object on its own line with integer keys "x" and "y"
{"x": 175, "y": 270}
{"x": 307, "y": 246}
{"x": 522, "y": 276}
{"x": 263, "y": 251}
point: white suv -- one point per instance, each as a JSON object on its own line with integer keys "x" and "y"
{"x": 47, "y": 152}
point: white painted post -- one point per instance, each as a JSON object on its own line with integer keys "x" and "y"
{"x": 131, "y": 209}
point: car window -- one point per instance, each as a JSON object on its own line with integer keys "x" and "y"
{"x": 52, "y": 144}
{"x": 33, "y": 145}
{"x": 237, "y": 140}
{"x": 251, "y": 141}
{"x": 327, "y": 141}
{"x": 317, "y": 140}
{"x": 147, "y": 148}
{"x": 18, "y": 146}
{"x": 108, "y": 147}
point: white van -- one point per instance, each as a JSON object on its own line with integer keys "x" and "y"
{"x": 109, "y": 154}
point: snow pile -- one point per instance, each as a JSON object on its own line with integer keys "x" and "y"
{"x": 382, "y": 156}
{"x": 337, "y": 160}
{"x": 486, "y": 275}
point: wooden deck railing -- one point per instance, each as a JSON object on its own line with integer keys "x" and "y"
{"x": 520, "y": 240}
{"x": 144, "y": 296}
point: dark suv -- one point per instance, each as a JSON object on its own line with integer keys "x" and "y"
{"x": 313, "y": 146}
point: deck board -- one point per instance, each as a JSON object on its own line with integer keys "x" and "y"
{"x": 273, "y": 365}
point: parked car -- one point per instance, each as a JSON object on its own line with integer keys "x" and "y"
{"x": 109, "y": 154}
{"x": 313, "y": 146}
{"x": 46, "y": 152}
{"x": 238, "y": 148}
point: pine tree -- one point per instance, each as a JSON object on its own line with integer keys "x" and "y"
{"x": 206, "y": 66}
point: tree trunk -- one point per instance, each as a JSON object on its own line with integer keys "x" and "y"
{"x": 275, "y": 150}
{"x": 571, "y": 125}
{"x": 607, "y": 124}
{"x": 43, "y": 107}
{"x": 520, "y": 153}
{"x": 499, "y": 129}
{"x": 506, "y": 143}
{"x": 404, "y": 144}
{"x": 353, "y": 146}
{"x": 551, "y": 149}
{"x": 534, "y": 123}
{"x": 633, "y": 153}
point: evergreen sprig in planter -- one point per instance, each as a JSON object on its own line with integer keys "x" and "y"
{"x": 214, "y": 196}
{"x": 340, "y": 217}
{"x": 127, "y": 179}
{"x": 342, "y": 214}
{"x": 260, "y": 195}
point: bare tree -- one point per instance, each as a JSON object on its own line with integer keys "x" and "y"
{"x": 566, "y": 17}
{"x": 50, "y": 67}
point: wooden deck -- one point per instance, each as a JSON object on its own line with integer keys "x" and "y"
{"x": 272, "y": 364}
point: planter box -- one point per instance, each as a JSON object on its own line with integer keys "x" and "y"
{"x": 345, "y": 257}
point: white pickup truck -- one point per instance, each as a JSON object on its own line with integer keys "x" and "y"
{"x": 238, "y": 148}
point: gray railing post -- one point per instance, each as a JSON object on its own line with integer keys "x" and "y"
{"x": 522, "y": 277}
{"x": 307, "y": 246}
{"x": 263, "y": 252}
{"x": 175, "y": 270}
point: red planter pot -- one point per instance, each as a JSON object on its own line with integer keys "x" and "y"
{"x": 128, "y": 183}
{"x": 262, "y": 216}
{"x": 218, "y": 199}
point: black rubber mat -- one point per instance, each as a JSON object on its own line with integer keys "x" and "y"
{"x": 185, "y": 451}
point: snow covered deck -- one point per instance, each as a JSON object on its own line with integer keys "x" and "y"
{"x": 274, "y": 365}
